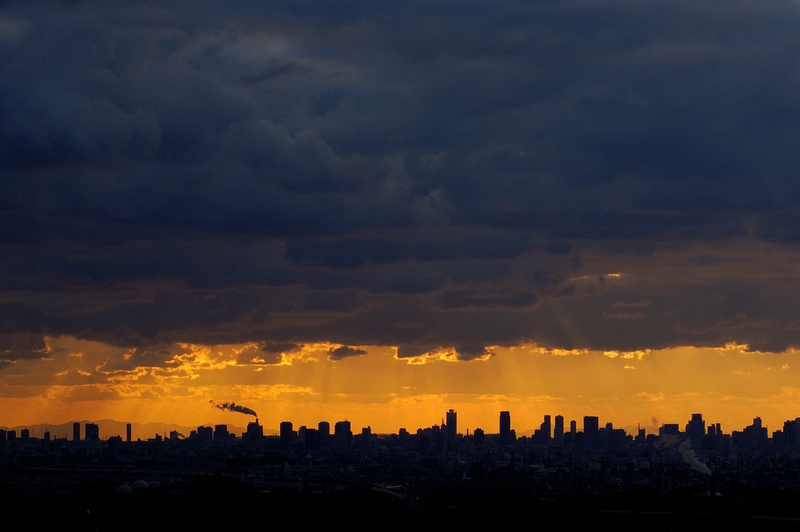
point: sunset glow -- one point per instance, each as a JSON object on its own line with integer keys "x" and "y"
{"x": 87, "y": 380}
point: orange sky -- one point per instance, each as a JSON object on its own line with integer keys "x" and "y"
{"x": 88, "y": 380}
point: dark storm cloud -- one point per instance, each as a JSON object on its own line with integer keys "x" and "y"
{"x": 21, "y": 346}
{"x": 427, "y": 175}
{"x": 345, "y": 351}
{"x": 278, "y": 347}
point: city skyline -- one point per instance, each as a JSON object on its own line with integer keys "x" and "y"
{"x": 695, "y": 427}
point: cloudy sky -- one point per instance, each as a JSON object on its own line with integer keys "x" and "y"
{"x": 235, "y": 201}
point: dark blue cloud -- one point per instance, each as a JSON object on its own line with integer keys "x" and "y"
{"x": 421, "y": 174}
{"x": 344, "y": 352}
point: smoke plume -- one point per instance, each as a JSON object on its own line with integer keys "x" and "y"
{"x": 233, "y": 407}
{"x": 685, "y": 448}
{"x": 687, "y": 453}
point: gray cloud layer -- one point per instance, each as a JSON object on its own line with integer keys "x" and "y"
{"x": 420, "y": 174}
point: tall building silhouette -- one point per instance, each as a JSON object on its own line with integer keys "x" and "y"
{"x": 324, "y": 429}
{"x": 478, "y": 437}
{"x": 558, "y": 433}
{"x": 287, "y": 434}
{"x": 791, "y": 431}
{"x": 696, "y": 428}
{"x": 92, "y": 431}
{"x": 220, "y": 433}
{"x": 505, "y": 427}
{"x": 669, "y": 429}
{"x": 128, "y": 432}
{"x": 205, "y": 433}
{"x": 547, "y": 429}
{"x": 76, "y": 431}
{"x": 451, "y": 424}
{"x": 754, "y": 436}
{"x": 311, "y": 439}
{"x": 255, "y": 432}
{"x": 342, "y": 434}
{"x": 591, "y": 431}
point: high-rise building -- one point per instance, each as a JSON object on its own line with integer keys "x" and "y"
{"x": 696, "y": 428}
{"x": 547, "y": 429}
{"x": 591, "y": 431}
{"x": 76, "y": 431}
{"x": 24, "y": 435}
{"x": 311, "y": 439}
{"x": 558, "y": 434}
{"x": 113, "y": 444}
{"x": 92, "y": 432}
{"x": 342, "y": 434}
{"x": 669, "y": 429}
{"x": 255, "y": 432}
{"x": 221, "y": 433}
{"x": 287, "y": 434}
{"x": 573, "y": 427}
{"x": 205, "y": 433}
{"x": 505, "y": 427}
{"x": 753, "y": 436}
{"x": 366, "y": 437}
{"x": 451, "y": 424}
{"x": 791, "y": 431}
{"x": 478, "y": 437}
{"x": 128, "y": 433}
{"x": 324, "y": 429}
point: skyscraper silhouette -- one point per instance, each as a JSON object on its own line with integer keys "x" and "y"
{"x": 451, "y": 424}
{"x": 287, "y": 434}
{"x": 696, "y": 428}
{"x": 547, "y": 429}
{"x": 324, "y": 429}
{"x": 558, "y": 434}
{"x": 505, "y": 427}
{"x": 342, "y": 433}
{"x": 92, "y": 431}
{"x": 220, "y": 433}
{"x": 591, "y": 431}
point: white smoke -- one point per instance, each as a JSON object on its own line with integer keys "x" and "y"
{"x": 687, "y": 453}
{"x": 685, "y": 448}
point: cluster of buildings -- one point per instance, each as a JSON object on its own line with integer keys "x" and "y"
{"x": 552, "y": 432}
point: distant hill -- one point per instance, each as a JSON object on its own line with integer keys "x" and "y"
{"x": 111, "y": 427}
